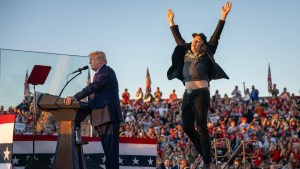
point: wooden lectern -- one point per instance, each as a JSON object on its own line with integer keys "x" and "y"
{"x": 69, "y": 154}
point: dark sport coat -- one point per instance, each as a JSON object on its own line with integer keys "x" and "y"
{"x": 175, "y": 71}
{"x": 106, "y": 103}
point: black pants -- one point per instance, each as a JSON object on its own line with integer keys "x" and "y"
{"x": 195, "y": 109}
{"x": 109, "y": 134}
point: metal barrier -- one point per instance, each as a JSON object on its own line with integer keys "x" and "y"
{"x": 243, "y": 145}
{"x": 216, "y": 143}
{"x": 221, "y": 143}
{"x": 215, "y": 150}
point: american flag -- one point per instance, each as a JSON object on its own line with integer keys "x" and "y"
{"x": 269, "y": 79}
{"x": 26, "y": 86}
{"x": 6, "y": 140}
{"x": 148, "y": 81}
{"x": 88, "y": 79}
{"x": 135, "y": 153}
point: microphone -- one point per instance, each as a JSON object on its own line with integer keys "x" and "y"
{"x": 80, "y": 69}
{"x": 68, "y": 81}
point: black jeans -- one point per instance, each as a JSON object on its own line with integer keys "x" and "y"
{"x": 194, "y": 109}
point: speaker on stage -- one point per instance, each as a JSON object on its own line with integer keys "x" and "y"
{"x": 32, "y": 163}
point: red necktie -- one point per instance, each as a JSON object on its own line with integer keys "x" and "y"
{"x": 93, "y": 95}
{"x": 94, "y": 76}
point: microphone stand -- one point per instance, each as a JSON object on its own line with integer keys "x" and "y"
{"x": 34, "y": 118}
{"x": 66, "y": 85}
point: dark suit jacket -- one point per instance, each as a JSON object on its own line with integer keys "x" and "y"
{"x": 164, "y": 167}
{"x": 106, "y": 103}
{"x": 175, "y": 167}
{"x": 175, "y": 71}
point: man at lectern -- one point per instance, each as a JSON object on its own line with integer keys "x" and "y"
{"x": 104, "y": 101}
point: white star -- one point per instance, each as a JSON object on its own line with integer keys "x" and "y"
{"x": 6, "y": 154}
{"x": 120, "y": 160}
{"x": 52, "y": 159}
{"x": 135, "y": 161}
{"x": 103, "y": 158}
{"x": 150, "y": 161}
{"x": 15, "y": 160}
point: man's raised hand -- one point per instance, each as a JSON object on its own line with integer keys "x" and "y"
{"x": 170, "y": 16}
{"x": 225, "y": 10}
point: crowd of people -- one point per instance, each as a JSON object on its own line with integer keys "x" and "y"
{"x": 267, "y": 127}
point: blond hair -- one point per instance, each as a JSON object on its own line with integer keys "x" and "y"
{"x": 99, "y": 55}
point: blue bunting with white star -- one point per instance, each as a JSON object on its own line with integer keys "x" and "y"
{"x": 133, "y": 155}
{"x": 6, "y": 140}
{"x": 92, "y": 160}
{"x": 5, "y": 152}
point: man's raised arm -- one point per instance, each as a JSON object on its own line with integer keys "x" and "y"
{"x": 214, "y": 39}
{"x": 174, "y": 28}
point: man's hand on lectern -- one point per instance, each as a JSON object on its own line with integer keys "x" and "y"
{"x": 69, "y": 99}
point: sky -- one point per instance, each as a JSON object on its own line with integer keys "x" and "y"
{"x": 135, "y": 35}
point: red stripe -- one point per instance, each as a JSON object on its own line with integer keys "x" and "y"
{"x": 7, "y": 119}
{"x": 137, "y": 140}
{"x": 36, "y": 137}
{"x": 88, "y": 139}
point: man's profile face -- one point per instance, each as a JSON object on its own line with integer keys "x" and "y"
{"x": 196, "y": 44}
{"x": 95, "y": 62}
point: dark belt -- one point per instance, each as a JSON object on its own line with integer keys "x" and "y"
{"x": 189, "y": 91}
